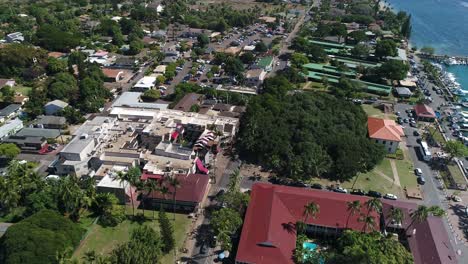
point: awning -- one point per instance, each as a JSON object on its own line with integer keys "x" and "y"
{"x": 201, "y": 167}
{"x": 174, "y": 135}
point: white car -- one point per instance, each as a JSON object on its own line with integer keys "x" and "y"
{"x": 340, "y": 190}
{"x": 390, "y": 196}
{"x": 418, "y": 171}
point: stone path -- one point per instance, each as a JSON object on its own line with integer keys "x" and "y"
{"x": 396, "y": 177}
{"x": 387, "y": 178}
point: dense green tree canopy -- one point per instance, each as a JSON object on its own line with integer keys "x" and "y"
{"x": 16, "y": 59}
{"x": 53, "y": 38}
{"x": 39, "y": 238}
{"x": 373, "y": 248}
{"x": 9, "y": 150}
{"x": 394, "y": 70}
{"x": 303, "y": 135}
{"x": 386, "y": 47}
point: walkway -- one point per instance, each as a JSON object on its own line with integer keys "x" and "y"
{"x": 388, "y": 178}
{"x": 396, "y": 177}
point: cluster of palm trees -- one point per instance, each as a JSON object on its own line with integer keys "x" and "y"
{"x": 148, "y": 187}
{"x": 395, "y": 215}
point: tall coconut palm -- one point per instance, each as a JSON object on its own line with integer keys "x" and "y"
{"x": 422, "y": 213}
{"x": 132, "y": 177}
{"x": 311, "y": 209}
{"x": 175, "y": 184}
{"x": 353, "y": 208}
{"x": 396, "y": 215}
{"x": 151, "y": 186}
{"x": 369, "y": 222}
{"x": 375, "y": 205}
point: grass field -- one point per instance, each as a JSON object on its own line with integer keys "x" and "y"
{"x": 372, "y": 111}
{"x": 436, "y": 135}
{"x": 371, "y": 180}
{"x": 405, "y": 170}
{"x": 456, "y": 174}
{"x": 104, "y": 239}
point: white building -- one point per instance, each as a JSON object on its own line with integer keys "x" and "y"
{"x": 145, "y": 83}
{"x": 385, "y": 132}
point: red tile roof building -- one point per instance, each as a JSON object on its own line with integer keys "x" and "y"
{"x": 269, "y": 235}
{"x": 428, "y": 241}
{"x": 385, "y": 132}
{"x": 424, "y": 112}
{"x": 189, "y": 195}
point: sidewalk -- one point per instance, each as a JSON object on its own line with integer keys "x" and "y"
{"x": 190, "y": 241}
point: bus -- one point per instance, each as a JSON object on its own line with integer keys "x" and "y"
{"x": 425, "y": 152}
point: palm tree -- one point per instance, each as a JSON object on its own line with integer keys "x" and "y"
{"x": 175, "y": 184}
{"x": 375, "y": 205}
{"x": 423, "y": 212}
{"x": 151, "y": 186}
{"x": 310, "y": 209}
{"x": 369, "y": 222}
{"x": 132, "y": 176}
{"x": 396, "y": 215}
{"x": 353, "y": 208}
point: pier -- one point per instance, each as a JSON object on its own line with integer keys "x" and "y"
{"x": 445, "y": 59}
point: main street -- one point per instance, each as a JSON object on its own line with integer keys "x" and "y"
{"x": 433, "y": 191}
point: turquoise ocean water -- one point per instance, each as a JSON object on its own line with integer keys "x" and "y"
{"x": 442, "y": 24}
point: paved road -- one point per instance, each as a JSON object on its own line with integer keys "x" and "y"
{"x": 220, "y": 184}
{"x": 432, "y": 191}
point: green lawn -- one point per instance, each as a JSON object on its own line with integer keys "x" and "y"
{"x": 104, "y": 239}
{"x": 372, "y": 111}
{"x": 436, "y": 135}
{"x": 405, "y": 170}
{"x": 367, "y": 181}
{"x": 457, "y": 175}
{"x": 385, "y": 167}
{"x": 24, "y": 90}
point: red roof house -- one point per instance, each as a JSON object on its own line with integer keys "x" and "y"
{"x": 424, "y": 112}
{"x": 269, "y": 235}
{"x": 384, "y": 129}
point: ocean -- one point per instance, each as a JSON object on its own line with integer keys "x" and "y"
{"x": 441, "y": 24}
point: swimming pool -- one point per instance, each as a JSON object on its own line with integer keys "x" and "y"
{"x": 309, "y": 245}
{"x": 311, "y": 248}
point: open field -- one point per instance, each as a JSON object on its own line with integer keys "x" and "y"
{"x": 104, "y": 239}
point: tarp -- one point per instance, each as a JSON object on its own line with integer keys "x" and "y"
{"x": 174, "y": 135}
{"x": 201, "y": 167}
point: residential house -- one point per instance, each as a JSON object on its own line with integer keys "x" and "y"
{"x": 145, "y": 83}
{"x": 55, "y": 106}
{"x": 52, "y": 122}
{"x": 424, "y": 113}
{"x": 28, "y": 144}
{"x": 15, "y": 37}
{"x": 10, "y": 128}
{"x": 7, "y": 82}
{"x": 46, "y": 133}
{"x": 255, "y": 77}
{"x": 161, "y": 69}
{"x": 186, "y": 103}
{"x": 113, "y": 75}
{"x": 10, "y": 111}
{"x": 125, "y": 63}
{"x": 385, "y": 132}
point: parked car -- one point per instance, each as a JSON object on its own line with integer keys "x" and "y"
{"x": 418, "y": 171}
{"x": 456, "y": 198}
{"x": 220, "y": 193}
{"x": 374, "y": 194}
{"x": 421, "y": 180}
{"x": 390, "y": 196}
{"x": 416, "y": 133}
{"x": 340, "y": 190}
{"x": 358, "y": 192}
{"x": 316, "y": 186}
